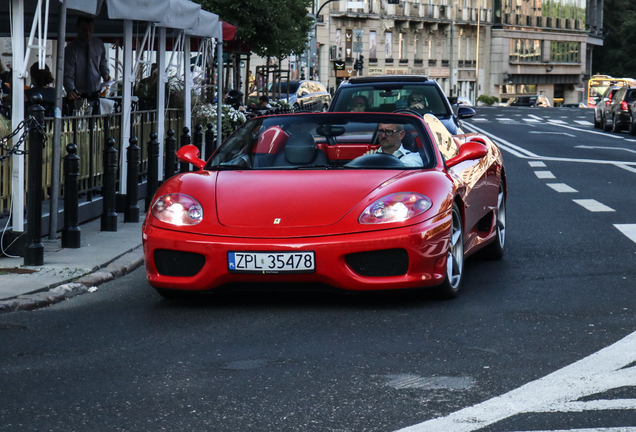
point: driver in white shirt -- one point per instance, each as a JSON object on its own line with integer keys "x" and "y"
{"x": 390, "y": 138}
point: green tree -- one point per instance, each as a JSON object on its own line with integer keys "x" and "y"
{"x": 271, "y": 28}
{"x": 617, "y": 56}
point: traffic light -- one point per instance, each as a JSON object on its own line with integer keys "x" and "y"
{"x": 359, "y": 64}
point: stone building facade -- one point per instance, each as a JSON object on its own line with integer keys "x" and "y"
{"x": 501, "y": 48}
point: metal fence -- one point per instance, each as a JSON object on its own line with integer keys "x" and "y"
{"x": 90, "y": 134}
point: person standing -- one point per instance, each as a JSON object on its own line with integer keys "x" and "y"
{"x": 85, "y": 64}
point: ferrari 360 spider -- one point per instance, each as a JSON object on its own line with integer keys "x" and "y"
{"x": 352, "y": 201}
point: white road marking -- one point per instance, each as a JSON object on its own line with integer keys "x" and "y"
{"x": 612, "y": 429}
{"x": 552, "y": 133}
{"x": 544, "y": 174}
{"x": 606, "y": 148}
{"x": 526, "y": 154}
{"x": 562, "y": 188}
{"x": 531, "y": 120}
{"x": 626, "y": 167}
{"x": 560, "y": 122}
{"x": 480, "y": 119}
{"x": 535, "y": 117}
{"x": 504, "y": 119}
{"x": 536, "y": 164}
{"x": 593, "y": 205}
{"x": 628, "y": 229}
{"x": 584, "y": 122}
{"x": 559, "y": 391}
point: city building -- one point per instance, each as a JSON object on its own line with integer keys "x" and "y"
{"x": 502, "y": 48}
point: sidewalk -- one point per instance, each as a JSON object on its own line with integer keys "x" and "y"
{"x": 66, "y": 272}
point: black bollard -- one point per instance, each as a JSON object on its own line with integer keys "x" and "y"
{"x": 153, "y": 169}
{"x": 133, "y": 158}
{"x": 198, "y": 137}
{"x": 185, "y": 140}
{"x": 171, "y": 155}
{"x": 34, "y": 251}
{"x": 210, "y": 141}
{"x": 71, "y": 233}
{"x": 109, "y": 214}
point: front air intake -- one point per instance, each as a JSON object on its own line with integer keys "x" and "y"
{"x": 381, "y": 263}
{"x": 178, "y": 263}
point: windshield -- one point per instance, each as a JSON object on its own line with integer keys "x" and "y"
{"x": 327, "y": 141}
{"x": 388, "y": 97}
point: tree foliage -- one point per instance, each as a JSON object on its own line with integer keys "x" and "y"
{"x": 617, "y": 56}
{"x": 276, "y": 28}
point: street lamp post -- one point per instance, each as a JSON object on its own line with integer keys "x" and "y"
{"x": 314, "y": 36}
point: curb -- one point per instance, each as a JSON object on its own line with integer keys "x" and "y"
{"x": 87, "y": 283}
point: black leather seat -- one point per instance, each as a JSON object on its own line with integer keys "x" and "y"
{"x": 300, "y": 149}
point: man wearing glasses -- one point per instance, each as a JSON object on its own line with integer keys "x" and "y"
{"x": 390, "y": 138}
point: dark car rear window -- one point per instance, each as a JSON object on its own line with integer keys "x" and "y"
{"x": 388, "y": 97}
{"x": 631, "y": 95}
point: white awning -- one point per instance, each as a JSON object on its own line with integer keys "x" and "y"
{"x": 183, "y": 14}
{"x": 209, "y": 25}
{"x": 139, "y": 10}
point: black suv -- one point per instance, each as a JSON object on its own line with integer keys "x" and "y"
{"x": 618, "y": 112}
{"x": 389, "y": 93}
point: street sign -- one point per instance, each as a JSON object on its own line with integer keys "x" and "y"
{"x": 357, "y": 47}
{"x": 357, "y": 33}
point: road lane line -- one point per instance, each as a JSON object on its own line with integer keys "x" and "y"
{"x": 536, "y": 164}
{"x": 562, "y": 188}
{"x": 544, "y": 174}
{"x": 559, "y": 122}
{"x": 593, "y": 205}
{"x": 526, "y": 154}
{"x": 607, "y": 369}
{"x": 628, "y": 229}
{"x": 584, "y": 122}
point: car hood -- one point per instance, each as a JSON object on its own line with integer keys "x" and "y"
{"x": 292, "y": 199}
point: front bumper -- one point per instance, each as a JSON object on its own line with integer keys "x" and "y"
{"x": 200, "y": 262}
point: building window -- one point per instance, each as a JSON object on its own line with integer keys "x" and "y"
{"x": 417, "y": 54}
{"x": 373, "y": 45}
{"x": 525, "y": 50}
{"x": 388, "y": 45}
{"x": 565, "y": 52}
{"x": 402, "y": 46}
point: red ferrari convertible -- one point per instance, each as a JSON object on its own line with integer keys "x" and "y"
{"x": 353, "y": 201}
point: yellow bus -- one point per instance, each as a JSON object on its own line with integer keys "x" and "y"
{"x": 597, "y": 85}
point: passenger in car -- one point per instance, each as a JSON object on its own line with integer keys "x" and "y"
{"x": 359, "y": 104}
{"x": 416, "y": 101}
{"x": 390, "y": 138}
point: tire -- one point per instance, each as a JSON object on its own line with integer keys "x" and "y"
{"x": 449, "y": 289}
{"x": 597, "y": 123}
{"x": 615, "y": 127}
{"x": 495, "y": 250}
{"x": 632, "y": 126}
{"x": 604, "y": 125}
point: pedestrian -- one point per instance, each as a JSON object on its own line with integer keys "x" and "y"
{"x": 264, "y": 102}
{"x": 41, "y": 78}
{"x": 85, "y": 65}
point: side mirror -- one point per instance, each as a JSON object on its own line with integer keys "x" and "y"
{"x": 465, "y": 112}
{"x": 468, "y": 151}
{"x": 190, "y": 154}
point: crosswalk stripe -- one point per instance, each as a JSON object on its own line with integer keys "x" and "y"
{"x": 536, "y": 164}
{"x": 584, "y": 122}
{"x": 628, "y": 229}
{"x": 544, "y": 174}
{"x": 562, "y": 188}
{"x": 593, "y": 205}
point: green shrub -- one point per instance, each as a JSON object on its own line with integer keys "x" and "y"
{"x": 487, "y": 100}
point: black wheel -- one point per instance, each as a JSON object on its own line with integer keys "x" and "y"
{"x": 597, "y": 123}
{"x": 604, "y": 125}
{"x": 632, "y": 126}
{"x": 173, "y": 294}
{"x": 615, "y": 127}
{"x": 455, "y": 257}
{"x": 495, "y": 250}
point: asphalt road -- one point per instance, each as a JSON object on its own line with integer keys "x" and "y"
{"x": 537, "y": 341}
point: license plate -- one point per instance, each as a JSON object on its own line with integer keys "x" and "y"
{"x": 271, "y": 262}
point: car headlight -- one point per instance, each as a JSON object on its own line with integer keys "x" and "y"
{"x": 396, "y": 207}
{"x": 178, "y": 209}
